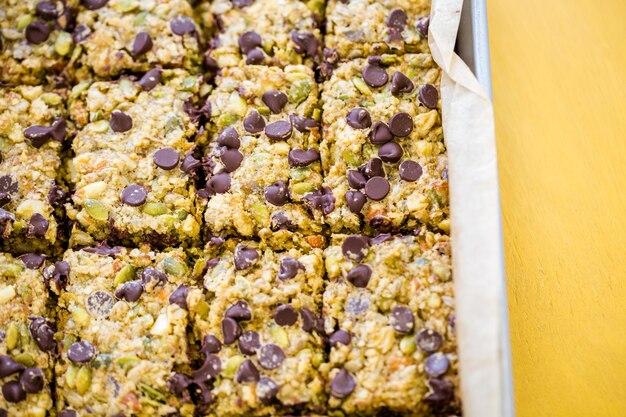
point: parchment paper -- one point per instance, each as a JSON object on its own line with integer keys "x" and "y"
{"x": 476, "y": 223}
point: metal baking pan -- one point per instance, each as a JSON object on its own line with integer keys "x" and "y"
{"x": 472, "y": 45}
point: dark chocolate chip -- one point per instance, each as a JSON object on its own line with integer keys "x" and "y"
{"x": 410, "y": 170}
{"x": 81, "y": 352}
{"x": 32, "y": 380}
{"x": 311, "y": 322}
{"x": 359, "y": 118}
{"x": 104, "y": 249}
{"x": 275, "y": 100}
{"x": 141, "y": 44}
{"x": 130, "y": 291}
{"x": 6, "y": 217}
{"x": 247, "y": 372}
{"x": 400, "y": 83}
{"x": 120, "y": 122}
{"x": 13, "y": 392}
{"x": 442, "y": 392}
{"x": 231, "y": 330}
{"x": 134, "y": 195}
{"x": 303, "y": 124}
{"x": 219, "y": 183}
{"x": 285, "y": 315}
{"x": 210, "y": 369}
{"x": 9, "y": 366}
{"x": 280, "y": 130}
{"x": 390, "y": 152}
{"x": 377, "y": 188}
{"x": 254, "y": 122}
{"x": 422, "y": 25}
{"x": 428, "y": 340}
{"x": 305, "y": 43}
{"x": 401, "y": 124}
{"x": 356, "y": 180}
{"x": 381, "y": 238}
{"x": 210, "y": 344}
{"x": 241, "y": 3}
{"x": 178, "y": 384}
{"x": 340, "y": 336}
{"x": 190, "y": 164}
{"x": 402, "y": 319}
{"x": 57, "y": 274}
{"x": 355, "y": 201}
{"x": 58, "y": 129}
{"x": 231, "y": 159}
{"x": 57, "y": 195}
{"x": 436, "y": 364}
{"x": 229, "y": 138}
{"x": 397, "y": 19}
{"x": 94, "y": 4}
{"x": 239, "y": 311}
{"x": 381, "y": 224}
{"x": 46, "y": 10}
{"x": 245, "y": 257}
{"x": 68, "y": 413}
{"x": 248, "y": 41}
{"x": 321, "y": 200}
{"x": 37, "y": 226}
{"x": 197, "y": 115}
{"x": 166, "y": 158}
{"x": 428, "y": 95}
{"x": 182, "y": 25}
{"x": 266, "y": 390}
{"x": 271, "y": 356}
{"x": 302, "y": 158}
{"x": 289, "y": 268}
{"x": 280, "y": 221}
{"x": 354, "y": 247}
{"x": 374, "y": 75}
{"x": 359, "y": 276}
{"x": 100, "y": 303}
{"x": 80, "y": 34}
{"x": 342, "y": 384}
{"x": 32, "y": 260}
{"x": 42, "y": 333}
{"x": 380, "y": 133}
{"x": 37, "y": 32}
{"x": 8, "y": 184}
{"x": 249, "y": 342}
{"x": 37, "y": 135}
{"x": 150, "y": 274}
{"x": 255, "y": 57}
{"x": 150, "y": 79}
{"x": 179, "y": 296}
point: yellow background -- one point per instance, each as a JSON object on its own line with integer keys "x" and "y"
{"x": 559, "y": 78}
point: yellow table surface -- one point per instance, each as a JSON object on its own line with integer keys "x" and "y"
{"x": 559, "y": 79}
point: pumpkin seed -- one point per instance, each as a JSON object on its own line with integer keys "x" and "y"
{"x": 97, "y": 210}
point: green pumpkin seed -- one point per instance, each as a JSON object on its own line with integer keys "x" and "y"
{"x": 260, "y": 213}
{"x": 388, "y": 59}
{"x": 227, "y": 119}
{"x": 182, "y": 214}
{"x": 361, "y": 86}
{"x": 189, "y": 83}
{"x": 81, "y": 317}
{"x": 23, "y": 21}
{"x": 63, "y": 43}
{"x": 317, "y": 359}
{"x": 155, "y": 209}
{"x": 79, "y": 88}
{"x": 174, "y": 267}
{"x": 153, "y": 393}
{"x": 140, "y": 18}
{"x": 128, "y": 361}
{"x": 83, "y": 380}
{"x": 407, "y": 345}
{"x": 299, "y": 91}
{"x": 279, "y": 335}
{"x": 97, "y": 210}
{"x": 232, "y": 365}
{"x": 238, "y": 104}
{"x": 302, "y": 187}
{"x": 201, "y": 309}
{"x": 172, "y": 124}
{"x": 316, "y": 6}
{"x": 127, "y": 273}
{"x": 70, "y": 376}
{"x": 298, "y": 174}
{"x": 25, "y": 359}
{"x": 51, "y": 99}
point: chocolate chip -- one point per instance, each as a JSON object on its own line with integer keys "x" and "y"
{"x": 231, "y": 158}
{"x": 340, "y": 336}
{"x": 241, "y": 3}
{"x": 32, "y": 260}
{"x": 37, "y": 32}
{"x": 381, "y": 223}
{"x": 254, "y": 123}
{"x": 100, "y": 304}
{"x": 248, "y": 41}
{"x": 57, "y": 195}
{"x": 271, "y": 356}
{"x": 240, "y": 311}
{"x": 8, "y": 184}
{"x": 104, "y": 249}
{"x": 374, "y": 75}
{"x": 400, "y": 83}
{"x": 81, "y": 352}
{"x": 150, "y": 79}
{"x": 182, "y": 25}
{"x": 354, "y": 247}
{"x": 410, "y": 170}
{"x": 302, "y": 158}
{"x": 377, "y": 188}
{"x": 229, "y": 138}
{"x": 58, "y": 129}
{"x": 441, "y": 393}
{"x": 402, "y": 319}
{"x": 359, "y": 118}
{"x": 37, "y": 135}
{"x": 80, "y": 34}
{"x": 305, "y": 43}
{"x": 178, "y": 383}
{"x": 134, "y": 195}
{"x": 380, "y": 133}
{"x": 58, "y": 274}
{"x": 266, "y": 390}
{"x": 428, "y": 340}
{"x": 120, "y": 122}
{"x": 401, "y": 124}
{"x": 355, "y": 201}
{"x": 179, "y": 296}
{"x": 32, "y": 380}
{"x": 343, "y": 384}
{"x": 285, "y": 315}
{"x": 289, "y": 268}
{"x": 397, "y": 19}
{"x": 247, "y": 372}
{"x": 231, "y": 330}
{"x": 390, "y": 152}
{"x": 422, "y": 25}
{"x": 436, "y": 364}
{"x": 42, "y": 332}
{"x": 141, "y": 44}
{"x": 6, "y": 217}
{"x": 359, "y": 276}
{"x": 356, "y": 180}
{"x": 37, "y": 226}
{"x": 219, "y": 183}
{"x": 130, "y": 291}
{"x": 280, "y": 130}
{"x": 428, "y": 95}
{"x": 94, "y": 4}
{"x": 46, "y": 10}
{"x": 68, "y": 413}
{"x": 303, "y": 124}
{"x": 381, "y": 238}
{"x": 280, "y": 221}
{"x": 13, "y": 392}
{"x": 244, "y": 257}
{"x": 9, "y": 366}
{"x": 321, "y": 200}
{"x": 249, "y": 342}
{"x": 255, "y": 57}
{"x": 210, "y": 344}
{"x": 210, "y": 369}
{"x": 277, "y": 193}
{"x": 275, "y": 100}
{"x": 153, "y": 275}
{"x": 311, "y": 322}
{"x": 166, "y": 158}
